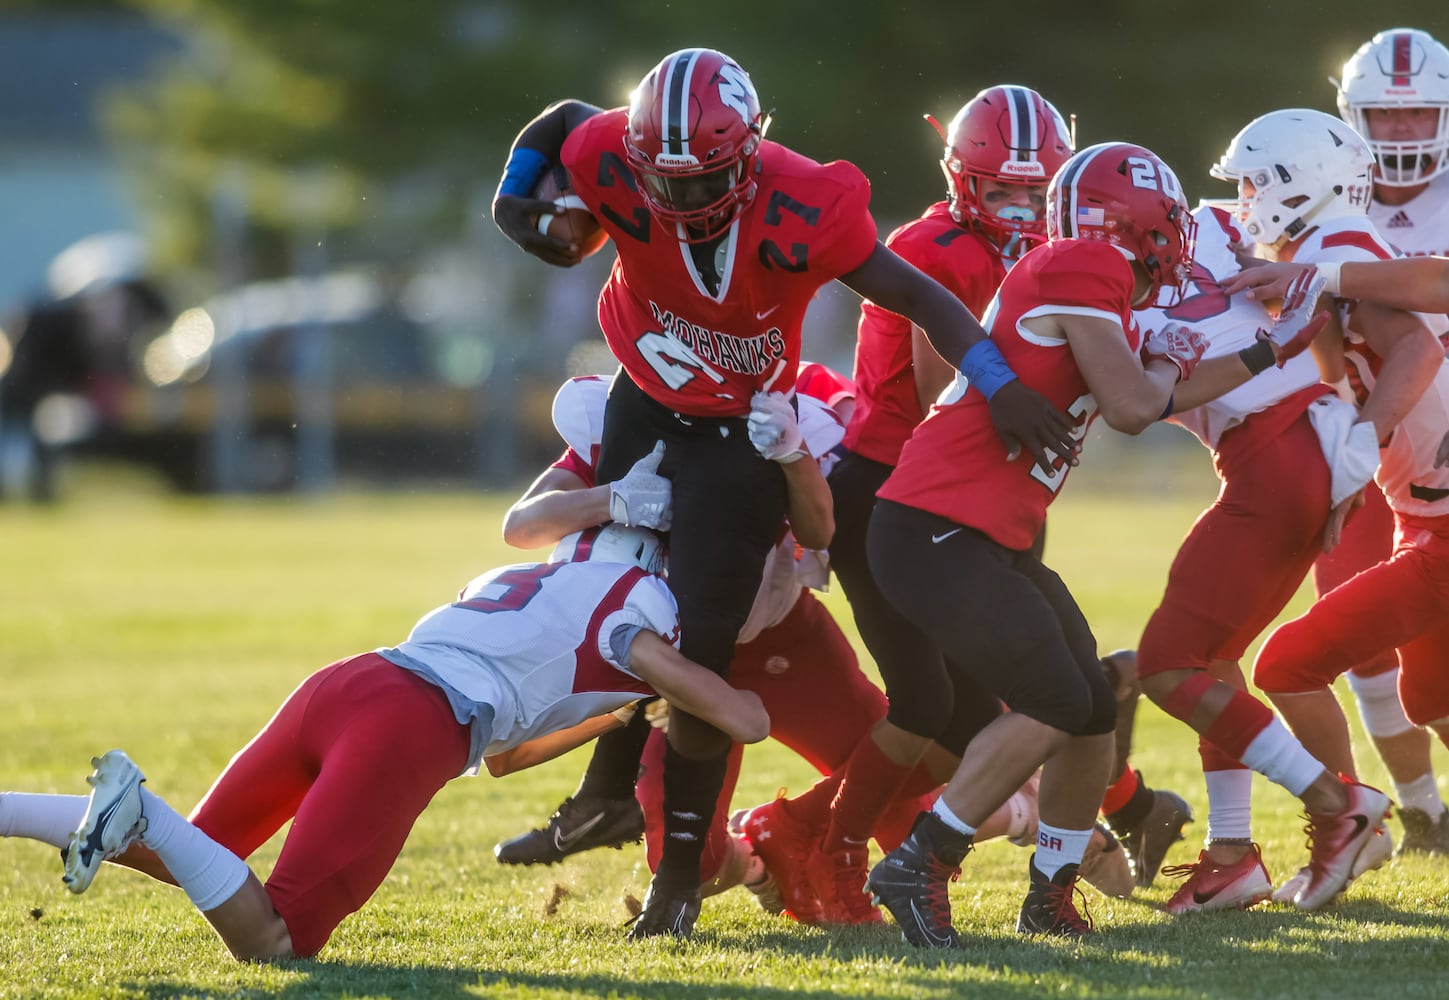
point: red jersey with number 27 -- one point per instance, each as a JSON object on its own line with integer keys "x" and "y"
{"x": 955, "y": 465}
{"x": 703, "y": 352}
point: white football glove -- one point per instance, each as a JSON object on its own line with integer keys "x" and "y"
{"x": 1179, "y": 344}
{"x": 643, "y": 498}
{"x": 1298, "y": 324}
{"x": 774, "y": 429}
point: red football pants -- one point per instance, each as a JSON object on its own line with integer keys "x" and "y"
{"x": 1401, "y": 604}
{"x": 1368, "y": 539}
{"x": 1246, "y": 555}
{"x": 352, "y": 757}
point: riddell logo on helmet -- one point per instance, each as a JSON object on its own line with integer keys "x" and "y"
{"x": 1024, "y": 169}
{"x": 676, "y": 160}
{"x": 1401, "y": 91}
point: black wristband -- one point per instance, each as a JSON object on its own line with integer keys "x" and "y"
{"x": 1259, "y": 357}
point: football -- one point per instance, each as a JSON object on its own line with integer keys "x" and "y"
{"x": 571, "y": 222}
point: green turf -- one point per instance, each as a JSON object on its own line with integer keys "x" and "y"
{"x": 173, "y": 628}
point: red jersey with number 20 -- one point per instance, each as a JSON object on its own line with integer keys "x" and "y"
{"x": 955, "y": 465}
{"x": 703, "y": 352}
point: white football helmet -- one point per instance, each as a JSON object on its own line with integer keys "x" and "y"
{"x": 1400, "y": 68}
{"x": 613, "y": 543}
{"x": 1303, "y": 166}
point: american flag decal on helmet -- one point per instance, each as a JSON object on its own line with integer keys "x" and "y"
{"x": 1069, "y": 213}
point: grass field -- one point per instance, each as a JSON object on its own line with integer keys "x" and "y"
{"x": 172, "y": 628}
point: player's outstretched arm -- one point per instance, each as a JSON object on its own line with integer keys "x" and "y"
{"x": 556, "y": 744}
{"x": 1416, "y": 283}
{"x": 1130, "y": 396}
{"x": 1411, "y": 357}
{"x": 775, "y": 434}
{"x": 691, "y": 688}
{"x": 1022, "y": 417}
{"x": 556, "y": 504}
{"x": 812, "y": 510}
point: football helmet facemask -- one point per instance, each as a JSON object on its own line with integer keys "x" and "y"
{"x": 1124, "y": 194}
{"x": 1400, "y": 68}
{"x": 692, "y": 142}
{"x": 1008, "y": 134}
{"x": 1293, "y": 168}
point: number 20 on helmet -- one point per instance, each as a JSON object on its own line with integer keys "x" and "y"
{"x": 1126, "y": 195}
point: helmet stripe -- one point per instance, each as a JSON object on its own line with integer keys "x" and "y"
{"x": 1067, "y": 200}
{"x": 675, "y": 124}
{"x": 1403, "y": 50}
{"x": 1024, "y": 139}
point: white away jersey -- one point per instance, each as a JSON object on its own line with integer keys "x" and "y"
{"x": 532, "y": 642}
{"x": 1229, "y": 324}
{"x": 1419, "y": 227}
{"x": 1406, "y": 473}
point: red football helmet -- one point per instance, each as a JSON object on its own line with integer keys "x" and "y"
{"x": 1126, "y": 195}
{"x": 1009, "y": 134}
{"x": 694, "y": 134}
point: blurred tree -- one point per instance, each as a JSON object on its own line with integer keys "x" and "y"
{"x": 382, "y": 123}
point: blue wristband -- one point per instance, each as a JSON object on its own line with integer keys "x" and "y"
{"x": 520, "y": 175}
{"x": 985, "y": 368}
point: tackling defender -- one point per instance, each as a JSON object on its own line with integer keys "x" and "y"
{"x": 355, "y": 754}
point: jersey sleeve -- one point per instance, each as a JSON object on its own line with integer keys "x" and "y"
{"x": 572, "y": 462}
{"x": 649, "y": 605}
{"x": 824, "y": 384}
{"x": 582, "y": 153}
{"x": 1079, "y": 278}
{"x": 578, "y": 416}
{"x": 954, "y": 256}
{"x": 853, "y": 231}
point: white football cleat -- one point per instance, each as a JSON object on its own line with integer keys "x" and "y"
{"x": 112, "y": 822}
{"x": 1345, "y": 845}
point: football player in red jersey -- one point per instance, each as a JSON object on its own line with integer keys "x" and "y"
{"x": 357, "y": 752}
{"x": 1001, "y": 149}
{"x": 949, "y": 541}
{"x": 722, "y": 239}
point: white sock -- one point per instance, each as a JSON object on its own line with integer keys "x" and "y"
{"x": 48, "y": 818}
{"x": 1230, "y": 804}
{"x": 1422, "y": 793}
{"x": 1276, "y": 754}
{"x": 1378, "y": 703}
{"x": 209, "y": 873}
{"x": 1056, "y": 847}
{"x": 944, "y": 813}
